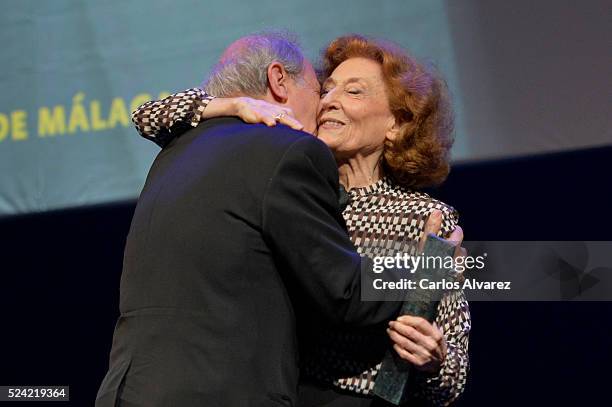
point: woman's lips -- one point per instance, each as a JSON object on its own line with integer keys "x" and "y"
{"x": 330, "y": 124}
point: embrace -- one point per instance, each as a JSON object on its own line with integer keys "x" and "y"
{"x": 241, "y": 282}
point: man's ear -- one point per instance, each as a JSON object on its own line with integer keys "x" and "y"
{"x": 277, "y": 81}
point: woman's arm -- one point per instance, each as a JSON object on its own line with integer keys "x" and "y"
{"x": 455, "y": 322}
{"x": 439, "y": 350}
{"x": 425, "y": 345}
{"x": 162, "y": 120}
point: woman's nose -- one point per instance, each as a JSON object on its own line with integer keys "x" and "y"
{"x": 329, "y": 99}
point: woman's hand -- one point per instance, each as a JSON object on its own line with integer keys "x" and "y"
{"x": 418, "y": 342}
{"x": 414, "y": 338}
{"x": 252, "y": 111}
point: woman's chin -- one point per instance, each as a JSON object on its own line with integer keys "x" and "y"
{"x": 329, "y": 139}
{"x": 329, "y": 136}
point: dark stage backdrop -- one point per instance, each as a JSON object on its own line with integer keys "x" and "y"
{"x": 61, "y": 270}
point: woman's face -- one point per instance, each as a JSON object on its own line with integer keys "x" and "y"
{"x": 354, "y": 116}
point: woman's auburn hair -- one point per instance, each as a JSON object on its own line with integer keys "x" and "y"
{"x": 418, "y": 98}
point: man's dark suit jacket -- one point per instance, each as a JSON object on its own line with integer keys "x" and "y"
{"x": 234, "y": 219}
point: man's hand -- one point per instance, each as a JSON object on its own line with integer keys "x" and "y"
{"x": 433, "y": 226}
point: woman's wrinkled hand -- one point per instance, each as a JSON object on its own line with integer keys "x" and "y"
{"x": 418, "y": 342}
{"x": 259, "y": 111}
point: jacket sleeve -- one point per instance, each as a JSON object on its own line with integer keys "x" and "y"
{"x": 303, "y": 225}
{"x": 162, "y": 120}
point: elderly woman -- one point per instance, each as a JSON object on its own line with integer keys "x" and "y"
{"x": 388, "y": 122}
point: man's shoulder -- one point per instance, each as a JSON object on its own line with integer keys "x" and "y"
{"x": 237, "y": 126}
{"x": 279, "y": 138}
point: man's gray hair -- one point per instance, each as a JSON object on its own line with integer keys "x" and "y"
{"x": 242, "y": 70}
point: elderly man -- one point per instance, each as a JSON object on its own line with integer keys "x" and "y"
{"x": 234, "y": 219}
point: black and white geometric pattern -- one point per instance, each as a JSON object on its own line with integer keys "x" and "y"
{"x": 382, "y": 219}
{"x": 161, "y": 120}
